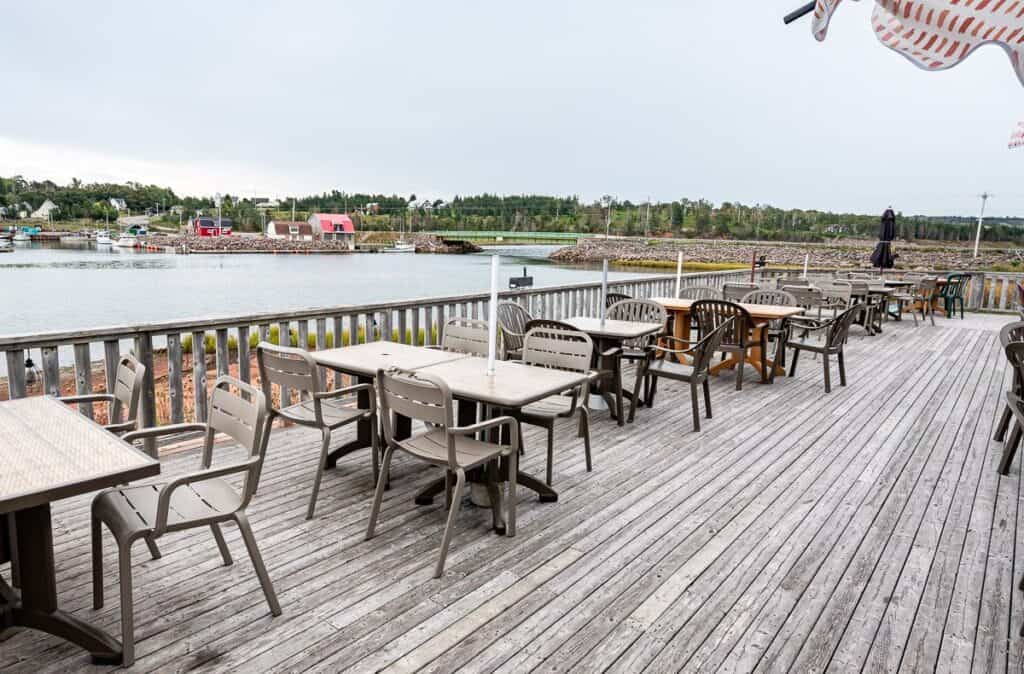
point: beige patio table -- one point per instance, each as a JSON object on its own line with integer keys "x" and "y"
{"x": 49, "y": 452}
{"x": 361, "y": 361}
{"x": 512, "y": 386}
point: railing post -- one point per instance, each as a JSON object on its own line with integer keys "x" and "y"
{"x": 976, "y": 294}
{"x": 147, "y": 404}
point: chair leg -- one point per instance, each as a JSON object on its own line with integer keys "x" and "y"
{"x": 12, "y": 539}
{"x": 154, "y": 551}
{"x": 695, "y": 405}
{"x": 453, "y": 512}
{"x": 1009, "y": 450}
{"x": 324, "y": 449}
{"x": 828, "y": 374}
{"x": 97, "y": 564}
{"x": 222, "y": 545}
{"x": 264, "y": 441}
{"x": 1004, "y": 424}
{"x": 585, "y": 422}
{"x": 618, "y": 394}
{"x": 654, "y": 389}
{"x": 494, "y": 493}
{"x": 707, "y": 398}
{"x": 764, "y": 356}
{"x": 640, "y": 378}
{"x": 124, "y": 564}
{"x": 739, "y": 369}
{"x": 792, "y": 366}
{"x": 375, "y": 447}
{"x": 378, "y": 493}
{"x": 842, "y": 368}
{"x": 513, "y": 473}
{"x": 551, "y": 453}
{"x": 257, "y": 562}
{"x": 448, "y": 489}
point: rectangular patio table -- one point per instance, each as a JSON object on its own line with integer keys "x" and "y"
{"x": 763, "y": 314}
{"x": 361, "y": 361}
{"x": 608, "y": 334}
{"x": 512, "y": 386}
{"x": 49, "y": 452}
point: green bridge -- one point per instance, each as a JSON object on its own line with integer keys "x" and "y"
{"x": 484, "y": 236}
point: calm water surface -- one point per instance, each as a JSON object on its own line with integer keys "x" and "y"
{"x": 58, "y": 288}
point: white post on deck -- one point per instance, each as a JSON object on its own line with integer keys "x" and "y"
{"x": 679, "y": 273}
{"x": 807, "y": 258}
{"x": 492, "y": 320}
{"x": 604, "y": 289}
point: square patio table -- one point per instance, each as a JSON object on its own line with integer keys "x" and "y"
{"x": 512, "y": 386}
{"x": 49, "y": 452}
{"x": 361, "y": 361}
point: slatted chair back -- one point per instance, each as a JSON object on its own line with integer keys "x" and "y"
{"x": 420, "y": 397}
{"x": 613, "y": 298}
{"x": 127, "y": 392}
{"x": 837, "y": 292}
{"x": 700, "y": 293}
{"x": 956, "y": 285}
{"x": 710, "y": 314}
{"x": 1011, "y": 332}
{"x": 639, "y": 311}
{"x": 1015, "y": 354}
{"x": 914, "y": 276}
{"x": 558, "y": 348}
{"x": 240, "y": 416}
{"x": 548, "y": 323}
{"x": 465, "y": 335}
{"x": 807, "y": 297}
{"x": 839, "y": 329}
{"x": 512, "y": 320}
{"x": 734, "y": 292}
{"x": 783, "y": 283}
{"x": 708, "y": 346}
{"x": 288, "y": 368}
{"x": 859, "y": 287}
{"x": 928, "y": 287}
{"x": 778, "y": 298}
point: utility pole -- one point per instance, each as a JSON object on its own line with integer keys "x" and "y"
{"x": 981, "y": 218}
{"x": 647, "y": 219}
{"x": 608, "y": 220}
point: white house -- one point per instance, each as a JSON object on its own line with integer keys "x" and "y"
{"x": 118, "y": 204}
{"x": 292, "y": 230}
{"x": 45, "y": 210}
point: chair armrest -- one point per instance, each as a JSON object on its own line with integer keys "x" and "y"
{"x": 164, "y": 500}
{"x": 157, "y": 431}
{"x": 88, "y": 398}
{"x": 496, "y": 422}
{"x": 614, "y": 351}
{"x": 808, "y": 323}
{"x": 661, "y": 349}
{"x": 355, "y": 388}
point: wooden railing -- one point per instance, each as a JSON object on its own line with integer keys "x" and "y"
{"x": 181, "y": 346}
{"x": 993, "y": 291}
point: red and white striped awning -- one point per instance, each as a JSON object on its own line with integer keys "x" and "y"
{"x": 939, "y": 34}
{"x": 1017, "y": 137}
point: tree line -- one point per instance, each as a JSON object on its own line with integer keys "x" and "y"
{"x": 685, "y": 217}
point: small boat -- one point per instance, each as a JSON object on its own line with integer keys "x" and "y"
{"x": 127, "y": 240}
{"x": 5, "y": 245}
{"x": 103, "y": 238}
{"x": 400, "y": 247}
{"x": 22, "y": 237}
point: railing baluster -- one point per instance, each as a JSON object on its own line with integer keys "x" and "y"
{"x": 244, "y": 357}
{"x": 176, "y": 389}
{"x": 369, "y": 327}
{"x": 147, "y": 403}
{"x": 83, "y": 376}
{"x": 403, "y": 338}
{"x": 199, "y": 375}
{"x": 223, "y": 357}
{"x": 51, "y": 371}
{"x": 111, "y": 357}
{"x": 15, "y": 373}
{"x": 416, "y": 326}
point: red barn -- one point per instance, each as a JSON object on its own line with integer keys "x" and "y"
{"x": 206, "y": 226}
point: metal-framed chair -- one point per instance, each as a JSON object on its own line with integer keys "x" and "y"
{"x": 327, "y": 411}
{"x": 512, "y": 319}
{"x": 659, "y": 364}
{"x": 199, "y": 499}
{"x": 424, "y": 397}
{"x": 738, "y": 337}
{"x": 559, "y": 349}
{"x": 835, "y": 331}
{"x": 123, "y": 401}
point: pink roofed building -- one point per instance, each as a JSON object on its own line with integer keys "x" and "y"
{"x": 334, "y": 227}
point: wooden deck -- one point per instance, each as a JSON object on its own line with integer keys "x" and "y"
{"x": 866, "y": 529}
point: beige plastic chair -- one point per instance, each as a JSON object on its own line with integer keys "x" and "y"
{"x": 465, "y": 335}
{"x": 559, "y": 349}
{"x": 198, "y": 499}
{"x": 327, "y": 411}
{"x": 427, "y": 398}
{"x": 700, "y": 293}
{"x": 123, "y": 402}
{"x": 735, "y": 292}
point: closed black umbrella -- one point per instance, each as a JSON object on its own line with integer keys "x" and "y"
{"x": 883, "y": 257}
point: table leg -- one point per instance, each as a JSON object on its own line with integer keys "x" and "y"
{"x": 36, "y": 606}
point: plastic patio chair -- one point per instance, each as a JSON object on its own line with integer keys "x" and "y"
{"x": 199, "y": 499}
{"x": 738, "y": 337}
{"x": 953, "y": 293}
{"x": 778, "y": 331}
{"x": 424, "y": 397}
{"x": 639, "y": 311}
{"x": 317, "y": 408}
{"x": 123, "y": 401}
{"x": 512, "y": 320}
{"x": 614, "y": 298}
{"x": 835, "y": 331}
{"x": 465, "y": 335}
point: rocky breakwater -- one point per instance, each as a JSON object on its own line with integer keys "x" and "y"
{"x": 849, "y": 254}
{"x": 240, "y": 243}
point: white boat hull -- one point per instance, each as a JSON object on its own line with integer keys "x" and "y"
{"x": 127, "y": 242}
{"x": 401, "y": 248}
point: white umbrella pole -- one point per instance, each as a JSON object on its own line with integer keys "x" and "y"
{"x": 604, "y": 289}
{"x": 679, "y": 273}
{"x": 492, "y": 323}
{"x": 807, "y": 258}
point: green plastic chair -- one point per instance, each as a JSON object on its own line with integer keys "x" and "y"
{"x": 953, "y": 293}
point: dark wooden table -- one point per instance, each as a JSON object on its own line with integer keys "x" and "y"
{"x": 50, "y": 452}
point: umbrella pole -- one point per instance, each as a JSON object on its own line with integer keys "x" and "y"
{"x": 798, "y": 13}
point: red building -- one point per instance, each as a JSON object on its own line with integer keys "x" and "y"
{"x": 206, "y": 226}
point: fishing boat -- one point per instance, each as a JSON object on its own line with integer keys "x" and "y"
{"x": 5, "y": 245}
{"x": 127, "y": 240}
{"x": 22, "y": 236}
{"x": 401, "y": 247}
{"x": 103, "y": 238}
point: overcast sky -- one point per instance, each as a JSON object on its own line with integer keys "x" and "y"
{"x": 662, "y": 99}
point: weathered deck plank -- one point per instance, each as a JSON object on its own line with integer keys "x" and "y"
{"x": 864, "y": 529}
